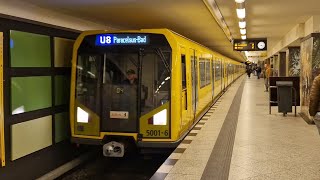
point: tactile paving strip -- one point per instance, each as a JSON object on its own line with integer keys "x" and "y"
{"x": 218, "y": 165}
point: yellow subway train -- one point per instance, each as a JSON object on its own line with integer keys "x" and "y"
{"x": 146, "y": 87}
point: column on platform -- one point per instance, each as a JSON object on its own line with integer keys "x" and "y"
{"x": 276, "y": 65}
{"x": 271, "y": 62}
{"x": 293, "y": 61}
{"x": 310, "y": 68}
{"x": 267, "y": 61}
{"x": 282, "y": 64}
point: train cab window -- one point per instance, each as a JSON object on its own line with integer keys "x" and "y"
{"x": 156, "y": 80}
{"x": 88, "y": 70}
{"x": 183, "y": 71}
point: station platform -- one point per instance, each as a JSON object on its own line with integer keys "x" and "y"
{"x": 239, "y": 139}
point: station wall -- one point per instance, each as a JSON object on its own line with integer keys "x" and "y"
{"x": 36, "y": 70}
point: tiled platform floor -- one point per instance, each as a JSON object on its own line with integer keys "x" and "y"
{"x": 265, "y": 146}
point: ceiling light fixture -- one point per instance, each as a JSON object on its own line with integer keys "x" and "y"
{"x": 241, "y": 13}
{"x": 242, "y": 24}
{"x": 239, "y": 1}
{"x": 243, "y": 31}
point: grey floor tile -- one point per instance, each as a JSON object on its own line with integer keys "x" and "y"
{"x": 173, "y": 176}
{"x": 187, "y": 166}
{"x": 237, "y": 172}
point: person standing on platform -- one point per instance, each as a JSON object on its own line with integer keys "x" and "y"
{"x": 314, "y": 104}
{"x": 258, "y": 70}
{"x": 248, "y": 71}
{"x": 267, "y": 74}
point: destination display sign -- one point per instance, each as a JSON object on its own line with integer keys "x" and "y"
{"x": 250, "y": 45}
{"x": 121, "y": 39}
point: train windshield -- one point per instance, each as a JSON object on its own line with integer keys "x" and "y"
{"x": 120, "y": 83}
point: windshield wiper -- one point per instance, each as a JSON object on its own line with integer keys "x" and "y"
{"x": 163, "y": 59}
{"x": 134, "y": 62}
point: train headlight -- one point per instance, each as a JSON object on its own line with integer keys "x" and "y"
{"x": 160, "y": 118}
{"x": 82, "y": 116}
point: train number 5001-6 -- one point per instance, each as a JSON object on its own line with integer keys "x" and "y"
{"x": 157, "y": 133}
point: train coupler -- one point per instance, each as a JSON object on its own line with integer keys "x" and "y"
{"x": 113, "y": 149}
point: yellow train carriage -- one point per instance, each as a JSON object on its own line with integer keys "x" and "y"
{"x": 147, "y": 87}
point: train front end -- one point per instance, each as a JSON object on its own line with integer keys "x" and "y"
{"x": 120, "y": 91}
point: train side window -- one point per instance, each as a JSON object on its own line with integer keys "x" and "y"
{"x": 183, "y": 71}
{"x": 208, "y": 75}
{"x": 222, "y": 69}
{"x": 213, "y": 64}
{"x": 184, "y": 79}
{"x": 202, "y": 67}
{"x": 218, "y": 70}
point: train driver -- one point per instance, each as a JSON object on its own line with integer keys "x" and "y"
{"x": 131, "y": 78}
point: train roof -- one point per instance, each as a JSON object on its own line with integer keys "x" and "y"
{"x": 91, "y": 32}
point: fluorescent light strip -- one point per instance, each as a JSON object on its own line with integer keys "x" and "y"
{"x": 243, "y": 31}
{"x": 242, "y": 24}
{"x": 239, "y": 1}
{"x": 241, "y": 13}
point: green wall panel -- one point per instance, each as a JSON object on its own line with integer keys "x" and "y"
{"x": 62, "y": 52}
{"x": 62, "y": 90}
{"x": 30, "y": 93}
{"x": 30, "y": 136}
{"x": 62, "y": 127}
{"x": 29, "y": 50}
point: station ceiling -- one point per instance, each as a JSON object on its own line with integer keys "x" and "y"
{"x": 195, "y": 19}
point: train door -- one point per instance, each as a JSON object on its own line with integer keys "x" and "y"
{"x": 222, "y": 76}
{"x": 120, "y": 101}
{"x": 227, "y": 73}
{"x": 225, "y": 79}
{"x": 233, "y": 72}
{"x": 135, "y": 83}
{"x": 184, "y": 90}
{"x": 212, "y": 76}
{"x": 2, "y": 148}
{"x": 194, "y": 80}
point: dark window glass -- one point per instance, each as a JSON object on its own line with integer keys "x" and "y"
{"x": 222, "y": 69}
{"x": 115, "y": 73}
{"x": 202, "y": 67}
{"x": 213, "y": 69}
{"x": 88, "y": 77}
{"x": 218, "y": 70}
{"x": 155, "y": 81}
{"x": 183, "y": 71}
{"x": 208, "y": 77}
